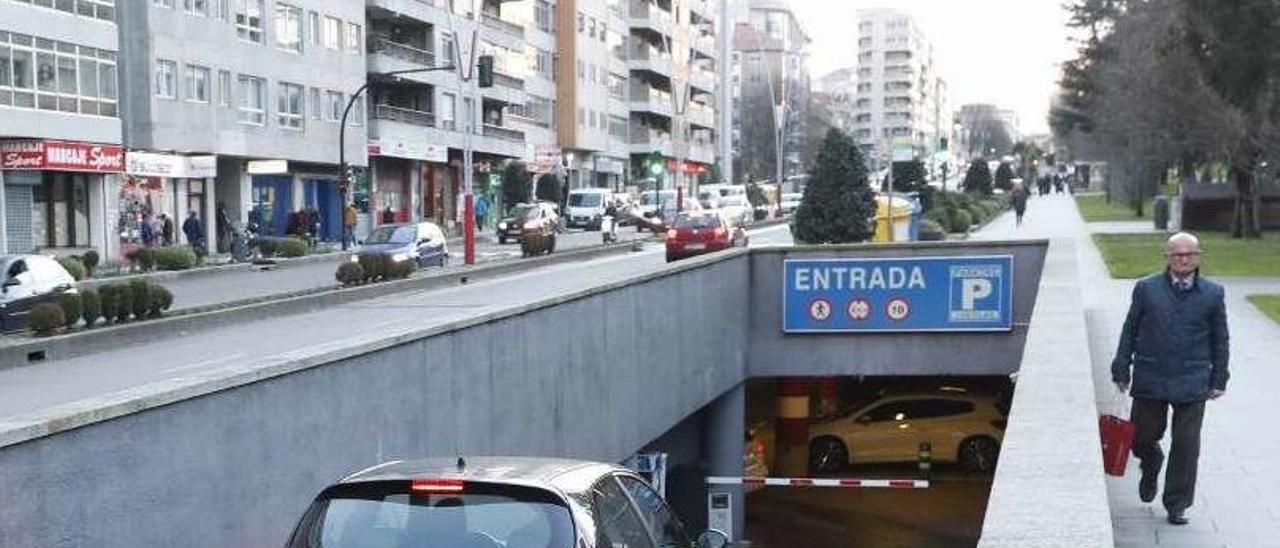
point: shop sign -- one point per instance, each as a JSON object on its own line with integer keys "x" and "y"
{"x": 547, "y": 159}
{"x": 150, "y": 164}
{"x": 61, "y": 156}
{"x": 419, "y": 150}
{"x": 609, "y": 165}
{"x": 268, "y": 167}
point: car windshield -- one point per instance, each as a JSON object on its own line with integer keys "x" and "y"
{"x": 391, "y": 235}
{"x": 585, "y": 199}
{"x": 380, "y": 514}
{"x": 648, "y": 198}
{"x": 698, "y": 221}
{"x": 519, "y": 212}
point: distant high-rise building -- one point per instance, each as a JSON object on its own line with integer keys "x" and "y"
{"x": 899, "y": 93}
{"x": 836, "y": 93}
{"x": 770, "y": 67}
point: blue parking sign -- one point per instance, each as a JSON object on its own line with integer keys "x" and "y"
{"x": 967, "y": 293}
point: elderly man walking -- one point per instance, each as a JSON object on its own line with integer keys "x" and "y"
{"x": 1175, "y": 342}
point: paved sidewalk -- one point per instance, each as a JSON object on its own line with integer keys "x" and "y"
{"x": 1238, "y": 491}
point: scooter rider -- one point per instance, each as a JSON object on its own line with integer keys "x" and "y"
{"x": 611, "y": 215}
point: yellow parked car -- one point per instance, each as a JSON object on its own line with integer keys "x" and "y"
{"x": 960, "y": 428}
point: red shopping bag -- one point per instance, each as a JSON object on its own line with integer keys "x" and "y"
{"x": 1117, "y": 440}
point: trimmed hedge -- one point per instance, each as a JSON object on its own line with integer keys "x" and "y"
{"x": 399, "y": 270}
{"x": 71, "y": 308}
{"x": 45, "y": 319}
{"x": 174, "y": 258}
{"x": 961, "y": 221}
{"x": 931, "y": 230}
{"x": 161, "y": 299}
{"x": 109, "y": 301}
{"x": 90, "y": 260}
{"x": 124, "y": 303}
{"x": 74, "y": 267}
{"x": 90, "y": 307}
{"x": 268, "y": 246}
{"x": 293, "y": 247}
{"x": 373, "y": 266}
{"x": 141, "y": 298}
{"x": 349, "y": 274}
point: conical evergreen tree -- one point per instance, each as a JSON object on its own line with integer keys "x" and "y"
{"x": 1004, "y": 177}
{"x": 838, "y": 202}
{"x": 978, "y": 178}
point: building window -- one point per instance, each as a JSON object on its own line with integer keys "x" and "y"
{"x": 166, "y": 79}
{"x": 314, "y": 30}
{"x": 197, "y": 84}
{"x": 617, "y": 87}
{"x": 162, "y": 3}
{"x": 249, "y": 20}
{"x": 446, "y": 48}
{"x": 543, "y": 16}
{"x": 469, "y": 111}
{"x": 288, "y": 28}
{"x": 354, "y": 39}
{"x": 196, "y": 7}
{"x": 357, "y": 111}
{"x": 253, "y": 100}
{"x": 314, "y": 100}
{"x": 448, "y": 111}
{"x": 223, "y": 9}
{"x": 224, "y": 88}
{"x": 289, "y": 105}
{"x": 50, "y": 75}
{"x": 332, "y": 33}
{"x": 334, "y": 106}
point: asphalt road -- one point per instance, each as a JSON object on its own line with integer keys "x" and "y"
{"x": 198, "y": 291}
{"x": 26, "y": 390}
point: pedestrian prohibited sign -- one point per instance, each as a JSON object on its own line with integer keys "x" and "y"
{"x": 965, "y": 293}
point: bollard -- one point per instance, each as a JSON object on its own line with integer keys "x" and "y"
{"x": 925, "y": 460}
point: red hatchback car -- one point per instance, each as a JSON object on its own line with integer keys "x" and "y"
{"x": 702, "y": 232}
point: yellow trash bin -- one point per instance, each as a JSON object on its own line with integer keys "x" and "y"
{"x": 901, "y": 219}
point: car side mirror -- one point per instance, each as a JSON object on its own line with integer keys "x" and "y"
{"x": 711, "y": 538}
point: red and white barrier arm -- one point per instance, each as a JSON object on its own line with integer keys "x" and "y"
{"x": 821, "y": 482}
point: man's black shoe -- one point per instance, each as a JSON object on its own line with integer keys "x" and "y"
{"x": 1147, "y": 486}
{"x": 1177, "y": 518}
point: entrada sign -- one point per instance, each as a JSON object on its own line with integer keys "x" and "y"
{"x": 909, "y": 294}
{"x": 61, "y": 156}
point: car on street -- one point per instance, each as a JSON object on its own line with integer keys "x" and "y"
{"x": 508, "y": 228}
{"x": 28, "y": 281}
{"x": 538, "y": 228}
{"x": 736, "y": 208}
{"x": 650, "y": 206}
{"x": 423, "y": 243}
{"x": 493, "y": 502}
{"x": 586, "y": 207}
{"x": 791, "y": 202}
{"x": 699, "y": 232}
{"x": 960, "y": 427}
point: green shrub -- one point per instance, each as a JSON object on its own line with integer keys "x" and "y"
{"x": 174, "y": 258}
{"x": 161, "y": 299}
{"x": 977, "y": 213}
{"x": 45, "y": 318}
{"x": 90, "y": 260}
{"x": 143, "y": 257}
{"x": 74, "y": 267}
{"x": 140, "y": 303}
{"x": 931, "y": 230}
{"x": 268, "y": 246}
{"x": 71, "y": 307}
{"x": 372, "y": 265}
{"x": 90, "y": 307}
{"x": 293, "y": 247}
{"x": 109, "y": 297}
{"x": 349, "y": 273}
{"x": 124, "y": 303}
{"x": 396, "y": 270}
{"x": 939, "y": 215}
{"x": 961, "y": 221}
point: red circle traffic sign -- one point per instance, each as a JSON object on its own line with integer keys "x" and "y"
{"x": 897, "y": 309}
{"x": 820, "y": 310}
{"x": 859, "y": 309}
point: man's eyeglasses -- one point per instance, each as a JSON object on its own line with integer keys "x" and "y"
{"x": 1187, "y": 255}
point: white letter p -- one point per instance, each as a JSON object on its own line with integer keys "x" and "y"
{"x": 973, "y": 289}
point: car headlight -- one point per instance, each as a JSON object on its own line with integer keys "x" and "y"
{"x": 502, "y": 225}
{"x": 400, "y": 257}
{"x": 355, "y": 258}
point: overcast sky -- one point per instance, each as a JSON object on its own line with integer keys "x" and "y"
{"x": 1004, "y": 52}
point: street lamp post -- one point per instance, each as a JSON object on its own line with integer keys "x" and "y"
{"x": 344, "y": 180}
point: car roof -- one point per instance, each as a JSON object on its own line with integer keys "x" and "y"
{"x": 544, "y": 472}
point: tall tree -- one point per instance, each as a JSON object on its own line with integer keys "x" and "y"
{"x": 907, "y": 177}
{"x": 549, "y": 188}
{"x": 978, "y": 179}
{"x": 838, "y": 202}
{"x": 516, "y": 182}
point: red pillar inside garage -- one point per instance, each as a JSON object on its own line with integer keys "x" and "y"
{"x": 792, "y": 457}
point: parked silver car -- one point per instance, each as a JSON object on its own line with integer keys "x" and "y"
{"x": 493, "y": 502}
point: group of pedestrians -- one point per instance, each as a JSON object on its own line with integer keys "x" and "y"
{"x": 158, "y": 231}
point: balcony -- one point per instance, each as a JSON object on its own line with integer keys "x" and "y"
{"x": 704, "y": 80}
{"x": 404, "y": 115}
{"x": 645, "y": 140}
{"x": 505, "y": 134}
{"x": 646, "y": 99}
{"x": 648, "y": 58}
{"x": 701, "y": 116}
{"x": 507, "y": 81}
{"x": 501, "y": 25}
{"x": 403, "y": 52}
{"x": 645, "y": 15}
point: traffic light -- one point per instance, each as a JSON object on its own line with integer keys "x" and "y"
{"x": 485, "y": 65}
{"x": 655, "y": 162}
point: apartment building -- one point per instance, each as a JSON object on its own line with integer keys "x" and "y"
{"x": 899, "y": 93}
{"x": 770, "y": 71}
{"x": 60, "y": 134}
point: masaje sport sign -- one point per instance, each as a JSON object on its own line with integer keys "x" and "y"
{"x": 973, "y": 293}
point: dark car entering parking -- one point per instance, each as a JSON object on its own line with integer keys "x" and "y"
{"x": 423, "y": 243}
{"x": 509, "y": 227}
{"x": 493, "y": 502}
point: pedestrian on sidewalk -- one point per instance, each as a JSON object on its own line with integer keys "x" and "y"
{"x": 388, "y": 216}
{"x": 349, "y": 224}
{"x": 482, "y": 210}
{"x": 223, "y": 228}
{"x": 1175, "y": 341}
{"x": 193, "y": 229}
{"x": 166, "y": 229}
{"x": 1019, "y": 199}
{"x": 147, "y": 231}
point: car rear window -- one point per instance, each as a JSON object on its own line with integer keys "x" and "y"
{"x": 388, "y": 514}
{"x": 698, "y": 221}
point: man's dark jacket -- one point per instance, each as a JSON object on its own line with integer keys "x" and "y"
{"x": 1175, "y": 339}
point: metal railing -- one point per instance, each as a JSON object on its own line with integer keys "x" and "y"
{"x": 507, "y": 81}
{"x": 404, "y": 115}
{"x": 503, "y": 133}
{"x": 502, "y": 25}
{"x": 404, "y": 52}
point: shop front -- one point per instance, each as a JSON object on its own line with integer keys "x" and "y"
{"x": 157, "y": 194}
{"x": 55, "y": 195}
{"x": 409, "y": 181}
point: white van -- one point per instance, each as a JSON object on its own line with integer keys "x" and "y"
{"x": 586, "y": 207}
